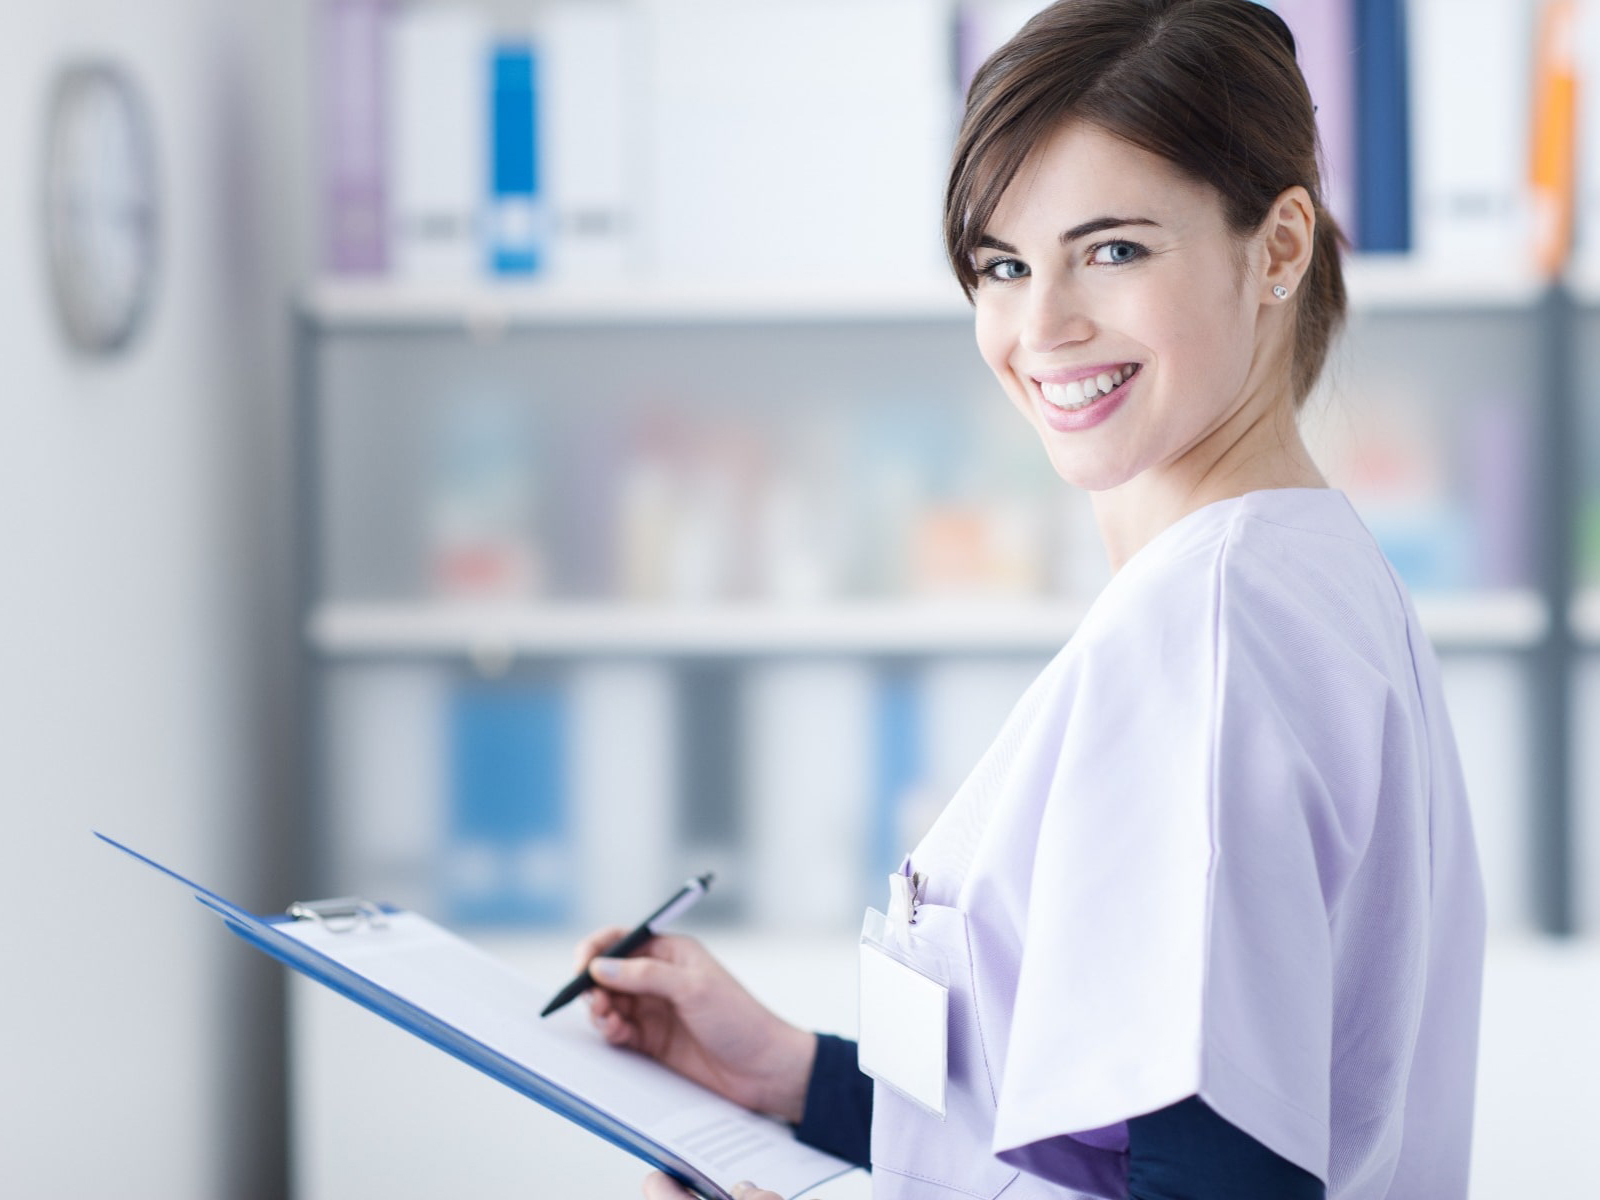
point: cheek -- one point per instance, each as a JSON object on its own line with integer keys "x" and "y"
{"x": 1203, "y": 343}
{"x": 995, "y": 345}
{"x": 992, "y": 342}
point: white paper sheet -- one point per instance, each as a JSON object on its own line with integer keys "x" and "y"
{"x": 427, "y": 966}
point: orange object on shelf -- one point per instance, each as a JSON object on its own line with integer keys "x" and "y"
{"x": 1555, "y": 116}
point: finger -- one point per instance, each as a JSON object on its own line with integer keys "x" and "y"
{"x": 663, "y": 1187}
{"x": 749, "y": 1191}
{"x": 594, "y": 944}
{"x": 641, "y": 976}
{"x": 617, "y": 1031}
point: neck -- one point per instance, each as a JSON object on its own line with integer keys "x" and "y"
{"x": 1259, "y": 447}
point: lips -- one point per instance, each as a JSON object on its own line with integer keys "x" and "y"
{"x": 1071, "y": 401}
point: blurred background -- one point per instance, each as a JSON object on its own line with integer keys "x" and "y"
{"x": 503, "y": 457}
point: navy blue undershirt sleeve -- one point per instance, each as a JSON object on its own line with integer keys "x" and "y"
{"x": 1182, "y": 1152}
{"x": 838, "y": 1115}
{"x": 1188, "y": 1152}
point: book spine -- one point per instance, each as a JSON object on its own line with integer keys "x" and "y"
{"x": 625, "y": 794}
{"x": 1555, "y": 136}
{"x": 982, "y": 28}
{"x": 724, "y": 175}
{"x": 592, "y": 54}
{"x": 351, "y": 101}
{"x": 387, "y": 753}
{"x": 898, "y": 784}
{"x": 965, "y": 702}
{"x": 807, "y": 771}
{"x": 1587, "y": 216}
{"x": 437, "y": 70}
{"x": 507, "y": 854}
{"x": 517, "y": 228}
{"x": 1471, "y": 91}
{"x": 1383, "y": 128}
{"x": 1323, "y": 33}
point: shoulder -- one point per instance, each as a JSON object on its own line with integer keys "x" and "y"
{"x": 1276, "y": 603}
{"x": 1295, "y": 567}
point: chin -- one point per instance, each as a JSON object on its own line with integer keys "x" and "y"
{"x": 1091, "y": 476}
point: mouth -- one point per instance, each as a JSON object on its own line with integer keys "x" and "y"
{"x": 1081, "y": 393}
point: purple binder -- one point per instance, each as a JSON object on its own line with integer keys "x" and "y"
{"x": 1323, "y": 34}
{"x": 350, "y": 117}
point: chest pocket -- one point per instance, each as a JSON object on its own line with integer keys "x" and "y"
{"x": 913, "y": 1151}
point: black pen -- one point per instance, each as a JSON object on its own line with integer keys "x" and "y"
{"x": 685, "y": 899}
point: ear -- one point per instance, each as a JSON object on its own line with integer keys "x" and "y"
{"x": 1289, "y": 239}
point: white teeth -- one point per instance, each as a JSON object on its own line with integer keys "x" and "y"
{"x": 1065, "y": 395}
{"x": 1082, "y": 392}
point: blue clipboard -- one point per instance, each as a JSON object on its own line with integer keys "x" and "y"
{"x": 267, "y": 935}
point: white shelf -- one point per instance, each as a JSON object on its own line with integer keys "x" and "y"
{"x": 701, "y": 630}
{"x": 1584, "y": 616}
{"x": 1513, "y": 619}
{"x": 488, "y": 308}
{"x": 1395, "y": 283}
{"x": 1492, "y": 620}
{"x": 492, "y": 307}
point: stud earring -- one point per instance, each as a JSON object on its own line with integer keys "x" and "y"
{"x": 1281, "y": 292}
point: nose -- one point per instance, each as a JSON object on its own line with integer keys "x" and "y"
{"x": 1053, "y": 317}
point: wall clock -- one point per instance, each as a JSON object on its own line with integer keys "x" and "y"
{"x": 101, "y": 206}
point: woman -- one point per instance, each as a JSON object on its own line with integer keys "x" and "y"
{"x": 1208, "y": 912}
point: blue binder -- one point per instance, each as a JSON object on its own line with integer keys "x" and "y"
{"x": 269, "y": 935}
{"x": 517, "y": 216}
{"x": 1383, "y": 128}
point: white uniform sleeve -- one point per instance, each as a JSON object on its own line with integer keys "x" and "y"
{"x": 1214, "y": 788}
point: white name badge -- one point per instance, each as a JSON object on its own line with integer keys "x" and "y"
{"x": 904, "y": 1032}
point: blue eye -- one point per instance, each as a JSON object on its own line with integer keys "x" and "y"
{"x": 1002, "y": 270}
{"x": 1116, "y": 254}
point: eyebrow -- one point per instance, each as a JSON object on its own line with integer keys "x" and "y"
{"x": 1098, "y": 225}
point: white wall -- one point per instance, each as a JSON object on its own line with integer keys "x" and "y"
{"x": 145, "y": 652}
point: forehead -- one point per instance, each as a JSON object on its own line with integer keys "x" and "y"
{"x": 1081, "y": 172}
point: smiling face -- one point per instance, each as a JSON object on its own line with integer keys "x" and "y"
{"x": 1123, "y": 318}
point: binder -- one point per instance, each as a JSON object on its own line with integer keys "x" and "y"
{"x": 517, "y": 233}
{"x": 807, "y": 768}
{"x": 1471, "y": 81}
{"x": 508, "y": 858}
{"x": 1383, "y": 128}
{"x": 591, "y": 127}
{"x": 853, "y": 117}
{"x": 1586, "y": 36}
{"x": 1553, "y": 169}
{"x": 436, "y": 141}
{"x": 1323, "y": 32}
{"x": 453, "y": 996}
{"x": 351, "y": 89}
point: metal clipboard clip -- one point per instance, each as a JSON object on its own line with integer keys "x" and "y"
{"x": 340, "y": 915}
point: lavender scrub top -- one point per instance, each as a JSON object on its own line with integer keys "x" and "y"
{"x": 1220, "y": 848}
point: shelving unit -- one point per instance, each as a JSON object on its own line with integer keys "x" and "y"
{"x": 1515, "y": 624}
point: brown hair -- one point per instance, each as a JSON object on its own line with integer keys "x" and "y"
{"x": 1211, "y": 86}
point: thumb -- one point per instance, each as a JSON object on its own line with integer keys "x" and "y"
{"x": 639, "y": 976}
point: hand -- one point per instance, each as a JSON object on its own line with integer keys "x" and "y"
{"x": 664, "y": 1187}
{"x": 677, "y": 1004}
